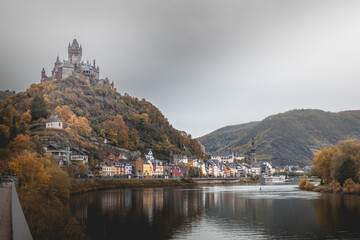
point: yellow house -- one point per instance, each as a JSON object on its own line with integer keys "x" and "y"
{"x": 147, "y": 169}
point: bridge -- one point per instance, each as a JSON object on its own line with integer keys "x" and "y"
{"x": 13, "y": 224}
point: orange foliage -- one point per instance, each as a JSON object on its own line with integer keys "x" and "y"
{"x": 31, "y": 173}
{"x": 19, "y": 143}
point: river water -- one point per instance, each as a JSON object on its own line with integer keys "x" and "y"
{"x": 218, "y": 212}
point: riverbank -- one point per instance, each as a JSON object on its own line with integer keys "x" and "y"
{"x": 349, "y": 187}
{"x": 98, "y": 184}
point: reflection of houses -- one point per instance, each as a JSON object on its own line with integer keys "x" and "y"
{"x": 54, "y": 122}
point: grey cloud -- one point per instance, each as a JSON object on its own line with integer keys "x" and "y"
{"x": 204, "y": 63}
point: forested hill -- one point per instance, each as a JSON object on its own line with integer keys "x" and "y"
{"x": 287, "y": 138}
{"x": 91, "y": 112}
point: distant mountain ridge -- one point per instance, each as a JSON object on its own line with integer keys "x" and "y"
{"x": 287, "y": 138}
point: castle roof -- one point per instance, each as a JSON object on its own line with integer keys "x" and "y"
{"x": 74, "y": 44}
{"x": 53, "y": 118}
{"x": 67, "y": 64}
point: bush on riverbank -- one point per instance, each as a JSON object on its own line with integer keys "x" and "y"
{"x": 349, "y": 187}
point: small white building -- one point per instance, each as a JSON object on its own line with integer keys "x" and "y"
{"x": 223, "y": 157}
{"x": 255, "y": 171}
{"x": 149, "y": 154}
{"x": 54, "y": 122}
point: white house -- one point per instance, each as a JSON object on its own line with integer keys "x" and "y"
{"x": 149, "y": 154}
{"x": 256, "y": 171}
{"x": 223, "y": 157}
{"x": 78, "y": 154}
{"x": 54, "y": 122}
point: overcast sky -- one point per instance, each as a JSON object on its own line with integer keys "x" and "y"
{"x": 205, "y": 64}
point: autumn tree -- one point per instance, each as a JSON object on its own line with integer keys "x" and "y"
{"x": 31, "y": 173}
{"x": 4, "y": 135}
{"x": 116, "y": 131}
{"x": 24, "y": 121}
{"x": 339, "y": 162}
{"x": 73, "y": 125}
{"x": 39, "y": 108}
{"x": 322, "y": 164}
{"x": 347, "y": 170}
{"x": 9, "y": 117}
{"x": 20, "y": 143}
{"x": 59, "y": 184}
{"x": 84, "y": 127}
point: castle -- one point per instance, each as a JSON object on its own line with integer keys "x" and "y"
{"x": 74, "y": 64}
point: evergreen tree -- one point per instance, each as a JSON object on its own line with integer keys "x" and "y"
{"x": 38, "y": 108}
{"x": 347, "y": 170}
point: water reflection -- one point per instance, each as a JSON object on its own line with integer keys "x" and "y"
{"x": 219, "y": 212}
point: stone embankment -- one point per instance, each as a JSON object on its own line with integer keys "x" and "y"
{"x": 13, "y": 224}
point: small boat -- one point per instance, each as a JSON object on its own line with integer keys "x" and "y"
{"x": 274, "y": 179}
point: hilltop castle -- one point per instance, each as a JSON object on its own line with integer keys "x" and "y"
{"x": 74, "y": 64}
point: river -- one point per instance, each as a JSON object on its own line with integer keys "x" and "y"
{"x": 217, "y": 212}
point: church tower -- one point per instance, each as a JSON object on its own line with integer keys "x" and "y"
{"x": 74, "y": 52}
{"x": 253, "y": 152}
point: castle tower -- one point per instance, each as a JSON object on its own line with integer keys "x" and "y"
{"x": 43, "y": 74}
{"x": 253, "y": 152}
{"x": 74, "y": 52}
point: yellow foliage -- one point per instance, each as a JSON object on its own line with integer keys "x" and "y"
{"x": 328, "y": 161}
{"x": 335, "y": 187}
{"x": 351, "y": 187}
{"x": 26, "y": 117}
{"x": 59, "y": 184}
{"x": 72, "y": 124}
{"x": 19, "y": 143}
{"x": 303, "y": 181}
{"x": 85, "y": 129}
{"x": 30, "y": 171}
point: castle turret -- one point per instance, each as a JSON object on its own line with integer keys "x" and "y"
{"x": 74, "y": 52}
{"x": 43, "y": 74}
